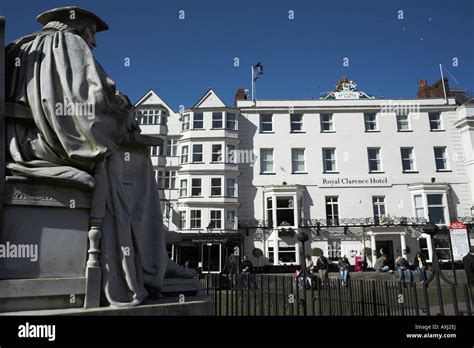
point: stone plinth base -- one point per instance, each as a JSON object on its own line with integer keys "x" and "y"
{"x": 192, "y": 305}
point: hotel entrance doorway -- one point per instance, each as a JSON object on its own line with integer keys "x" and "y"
{"x": 386, "y": 246}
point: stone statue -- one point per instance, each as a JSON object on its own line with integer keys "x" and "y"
{"x": 79, "y": 121}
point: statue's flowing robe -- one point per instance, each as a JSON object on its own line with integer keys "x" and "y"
{"x": 48, "y": 72}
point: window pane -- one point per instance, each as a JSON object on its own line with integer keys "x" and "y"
{"x": 216, "y": 184}
{"x": 326, "y": 123}
{"x": 197, "y": 153}
{"x": 198, "y": 121}
{"x": 196, "y": 187}
{"x": 374, "y": 160}
{"x": 402, "y": 122}
{"x": 418, "y": 201}
{"x": 231, "y": 155}
{"x": 266, "y": 160}
{"x": 298, "y": 160}
{"x": 435, "y": 120}
{"x": 216, "y": 219}
{"x": 266, "y": 123}
{"x": 407, "y": 159}
{"x": 230, "y": 187}
{"x": 420, "y": 213}
{"x": 217, "y": 120}
{"x": 183, "y": 188}
{"x": 285, "y": 202}
{"x": 440, "y": 158}
{"x": 184, "y": 154}
{"x": 216, "y": 153}
{"x": 230, "y": 121}
{"x": 296, "y": 122}
{"x": 230, "y": 219}
{"x": 370, "y": 121}
{"x": 329, "y": 160}
{"x": 435, "y": 199}
{"x": 185, "y": 125}
{"x": 332, "y": 211}
{"x": 436, "y": 215}
{"x": 286, "y": 217}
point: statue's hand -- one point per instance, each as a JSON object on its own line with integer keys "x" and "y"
{"x": 132, "y": 124}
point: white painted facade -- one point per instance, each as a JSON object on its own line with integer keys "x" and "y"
{"x": 349, "y": 177}
{"x": 308, "y": 186}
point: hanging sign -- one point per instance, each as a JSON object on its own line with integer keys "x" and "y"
{"x": 459, "y": 240}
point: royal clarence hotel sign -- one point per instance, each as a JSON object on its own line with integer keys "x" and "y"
{"x": 354, "y": 181}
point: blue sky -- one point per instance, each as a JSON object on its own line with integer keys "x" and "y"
{"x": 302, "y": 58}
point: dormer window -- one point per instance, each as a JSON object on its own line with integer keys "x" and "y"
{"x": 151, "y": 116}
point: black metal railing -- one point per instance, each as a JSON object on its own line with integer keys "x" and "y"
{"x": 287, "y": 295}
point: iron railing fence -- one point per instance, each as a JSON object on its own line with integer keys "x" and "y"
{"x": 286, "y": 295}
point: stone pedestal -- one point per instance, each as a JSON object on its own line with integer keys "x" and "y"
{"x": 53, "y": 219}
{"x": 193, "y": 305}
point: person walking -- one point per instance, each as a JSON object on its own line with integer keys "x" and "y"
{"x": 420, "y": 264}
{"x": 231, "y": 264}
{"x": 246, "y": 268}
{"x": 344, "y": 267}
{"x": 322, "y": 265}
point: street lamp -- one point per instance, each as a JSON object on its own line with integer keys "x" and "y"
{"x": 431, "y": 229}
{"x": 303, "y": 238}
{"x": 209, "y": 230}
{"x": 209, "y": 258}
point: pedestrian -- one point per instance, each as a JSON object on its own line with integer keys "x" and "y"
{"x": 397, "y": 263}
{"x": 322, "y": 265}
{"x": 344, "y": 267}
{"x": 420, "y": 264}
{"x": 381, "y": 264}
{"x": 303, "y": 277}
{"x": 232, "y": 264}
{"x": 246, "y": 268}
{"x": 309, "y": 264}
{"x": 359, "y": 262}
{"x": 403, "y": 270}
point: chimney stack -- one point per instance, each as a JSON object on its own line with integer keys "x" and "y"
{"x": 240, "y": 95}
{"x": 434, "y": 91}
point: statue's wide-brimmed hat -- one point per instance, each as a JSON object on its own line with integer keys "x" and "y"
{"x": 62, "y": 14}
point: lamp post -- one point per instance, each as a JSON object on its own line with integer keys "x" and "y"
{"x": 431, "y": 229}
{"x": 303, "y": 238}
{"x": 209, "y": 258}
{"x": 209, "y": 245}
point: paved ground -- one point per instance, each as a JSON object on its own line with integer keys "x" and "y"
{"x": 449, "y": 309}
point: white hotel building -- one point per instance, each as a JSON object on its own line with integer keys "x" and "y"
{"x": 338, "y": 168}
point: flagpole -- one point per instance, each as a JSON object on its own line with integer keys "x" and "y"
{"x": 253, "y": 83}
{"x": 442, "y": 80}
{"x": 255, "y": 93}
